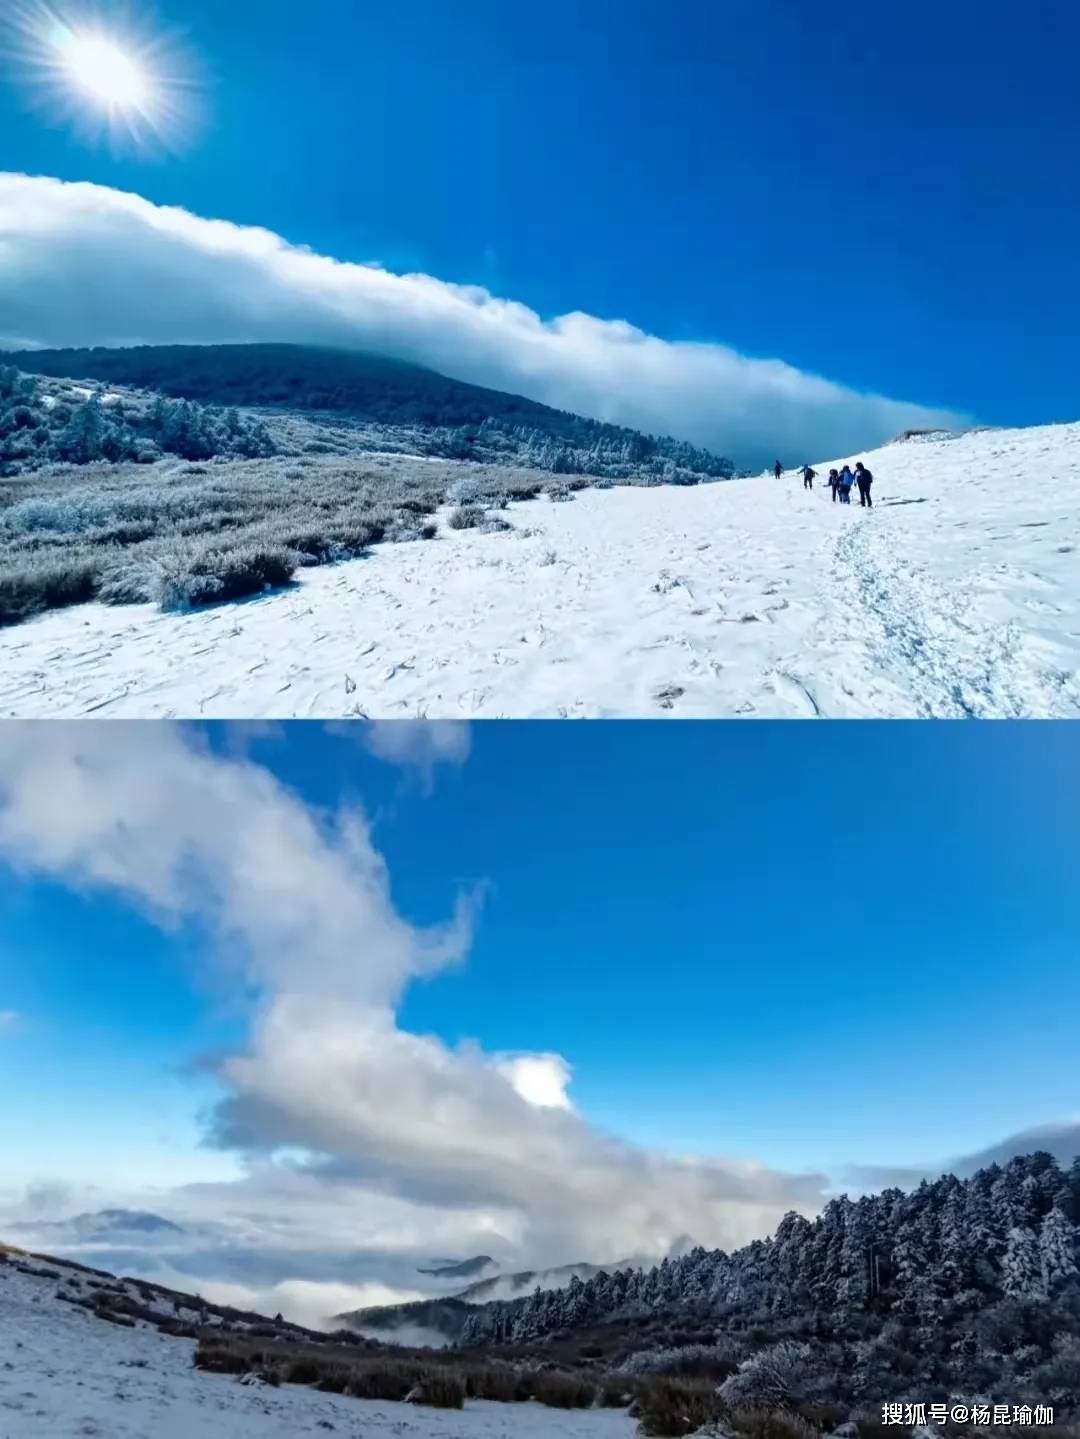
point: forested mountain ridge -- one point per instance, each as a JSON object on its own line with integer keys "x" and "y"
{"x": 957, "y": 1286}
{"x": 442, "y": 417}
{"x": 45, "y": 423}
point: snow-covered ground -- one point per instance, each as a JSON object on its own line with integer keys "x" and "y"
{"x": 959, "y": 595}
{"x": 66, "y": 1373}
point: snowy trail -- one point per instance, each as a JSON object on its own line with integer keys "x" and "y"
{"x": 65, "y": 1374}
{"x": 959, "y": 595}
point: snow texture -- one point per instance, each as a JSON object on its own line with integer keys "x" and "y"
{"x": 957, "y": 596}
{"x": 64, "y": 1372}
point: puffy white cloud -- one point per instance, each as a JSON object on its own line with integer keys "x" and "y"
{"x": 81, "y": 264}
{"x": 416, "y": 745}
{"x": 340, "y": 1111}
{"x": 540, "y": 1079}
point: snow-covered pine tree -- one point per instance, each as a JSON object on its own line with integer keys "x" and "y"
{"x": 1021, "y": 1270}
{"x": 1057, "y": 1251}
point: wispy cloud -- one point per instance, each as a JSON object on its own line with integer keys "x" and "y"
{"x": 8, "y": 1020}
{"x": 416, "y": 745}
{"x": 84, "y": 265}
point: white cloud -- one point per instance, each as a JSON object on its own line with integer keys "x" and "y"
{"x": 540, "y": 1079}
{"x": 340, "y": 1111}
{"x": 418, "y": 745}
{"x": 84, "y": 265}
{"x": 8, "y": 1020}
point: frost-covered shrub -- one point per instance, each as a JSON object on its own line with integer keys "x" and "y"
{"x": 406, "y": 526}
{"x": 559, "y": 494}
{"x": 39, "y": 581}
{"x": 63, "y": 514}
{"x": 495, "y": 525}
{"x": 466, "y": 517}
{"x": 187, "y": 577}
{"x": 715, "y": 1360}
{"x": 465, "y": 491}
{"x": 780, "y": 1374}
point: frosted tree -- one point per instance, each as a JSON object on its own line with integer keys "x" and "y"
{"x": 1021, "y": 1269}
{"x": 83, "y": 437}
{"x": 1057, "y": 1257}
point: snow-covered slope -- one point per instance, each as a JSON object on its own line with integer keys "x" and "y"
{"x": 65, "y": 1373}
{"x": 959, "y": 595}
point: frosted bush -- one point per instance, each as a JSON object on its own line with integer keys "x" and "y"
{"x": 43, "y": 581}
{"x": 495, "y": 524}
{"x": 687, "y": 1359}
{"x": 64, "y": 515}
{"x": 183, "y": 578}
{"x": 468, "y": 517}
{"x": 464, "y": 491}
{"x": 772, "y": 1376}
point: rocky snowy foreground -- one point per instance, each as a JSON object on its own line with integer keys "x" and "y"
{"x": 65, "y": 1372}
{"x": 959, "y": 595}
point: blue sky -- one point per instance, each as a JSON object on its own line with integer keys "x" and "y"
{"x": 877, "y": 193}
{"x": 808, "y": 945}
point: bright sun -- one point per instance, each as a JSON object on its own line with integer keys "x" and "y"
{"x": 120, "y": 81}
{"x": 105, "y": 72}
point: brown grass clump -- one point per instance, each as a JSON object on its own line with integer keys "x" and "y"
{"x": 677, "y": 1406}
{"x": 441, "y": 1388}
{"x": 563, "y": 1390}
{"x": 771, "y": 1424}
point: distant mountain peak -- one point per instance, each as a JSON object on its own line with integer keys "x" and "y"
{"x": 459, "y": 1269}
{"x": 101, "y": 1222}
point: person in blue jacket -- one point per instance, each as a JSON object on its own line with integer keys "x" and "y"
{"x": 847, "y": 479}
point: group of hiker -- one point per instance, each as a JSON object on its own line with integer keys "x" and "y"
{"x": 841, "y": 482}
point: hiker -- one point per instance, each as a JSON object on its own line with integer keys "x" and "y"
{"x": 847, "y": 479}
{"x": 778, "y": 469}
{"x": 864, "y": 479}
{"x": 834, "y": 483}
{"x": 808, "y": 477}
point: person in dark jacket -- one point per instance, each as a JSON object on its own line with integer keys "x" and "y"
{"x": 864, "y": 479}
{"x": 847, "y": 479}
{"x": 834, "y": 483}
{"x": 778, "y": 469}
{"x": 808, "y": 477}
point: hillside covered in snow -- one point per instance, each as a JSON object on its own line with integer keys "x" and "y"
{"x": 82, "y": 1354}
{"x": 957, "y": 1291}
{"x": 958, "y": 595}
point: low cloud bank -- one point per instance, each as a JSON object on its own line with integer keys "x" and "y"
{"x": 82, "y": 264}
{"x": 1061, "y": 1140}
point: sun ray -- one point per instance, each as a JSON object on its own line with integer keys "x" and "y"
{"x": 103, "y": 72}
